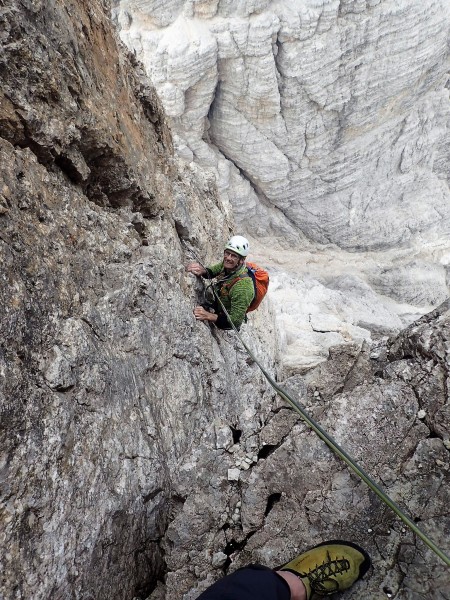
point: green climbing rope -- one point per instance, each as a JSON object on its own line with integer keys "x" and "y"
{"x": 331, "y": 443}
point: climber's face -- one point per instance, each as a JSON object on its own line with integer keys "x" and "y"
{"x": 231, "y": 259}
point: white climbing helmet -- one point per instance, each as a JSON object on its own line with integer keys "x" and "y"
{"x": 238, "y": 244}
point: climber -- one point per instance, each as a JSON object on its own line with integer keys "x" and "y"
{"x": 325, "y": 569}
{"x": 233, "y": 286}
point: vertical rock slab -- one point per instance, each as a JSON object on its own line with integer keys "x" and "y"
{"x": 101, "y": 361}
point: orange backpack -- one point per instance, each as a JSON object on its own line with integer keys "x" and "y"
{"x": 260, "y": 278}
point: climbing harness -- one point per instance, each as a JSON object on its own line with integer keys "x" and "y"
{"x": 331, "y": 443}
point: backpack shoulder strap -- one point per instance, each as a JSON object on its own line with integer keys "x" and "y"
{"x": 228, "y": 284}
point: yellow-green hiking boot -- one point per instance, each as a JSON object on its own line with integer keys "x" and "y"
{"x": 329, "y": 567}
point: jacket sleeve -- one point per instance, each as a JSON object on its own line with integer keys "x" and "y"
{"x": 213, "y": 270}
{"x": 241, "y": 296}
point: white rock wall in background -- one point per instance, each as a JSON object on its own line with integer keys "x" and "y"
{"x": 326, "y": 123}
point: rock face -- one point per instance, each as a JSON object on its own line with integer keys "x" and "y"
{"x": 106, "y": 380}
{"x": 325, "y": 117}
{"x": 142, "y": 454}
{"x": 326, "y": 125}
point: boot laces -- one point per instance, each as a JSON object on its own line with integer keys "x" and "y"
{"x": 322, "y": 578}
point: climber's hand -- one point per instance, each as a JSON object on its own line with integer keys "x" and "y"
{"x": 196, "y": 269}
{"x": 203, "y": 315}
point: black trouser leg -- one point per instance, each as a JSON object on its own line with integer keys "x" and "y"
{"x": 254, "y": 582}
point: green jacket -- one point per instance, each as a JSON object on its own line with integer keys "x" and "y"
{"x": 235, "y": 298}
